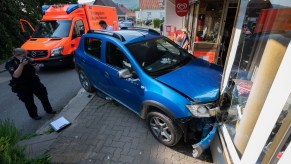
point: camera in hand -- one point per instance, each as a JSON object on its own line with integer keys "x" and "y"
{"x": 26, "y": 58}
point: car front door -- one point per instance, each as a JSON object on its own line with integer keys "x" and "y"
{"x": 128, "y": 91}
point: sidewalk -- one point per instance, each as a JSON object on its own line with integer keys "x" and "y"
{"x": 106, "y": 132}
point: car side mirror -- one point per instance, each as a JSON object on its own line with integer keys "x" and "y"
{"x": 124, "y": 73}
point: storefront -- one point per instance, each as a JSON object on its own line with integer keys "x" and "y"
{"x": 251, "y": 39}
{"x": 209, "y": 24}
{"x": 256, "y": 91}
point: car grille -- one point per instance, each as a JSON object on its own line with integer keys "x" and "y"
{"x": 37, "y": 54}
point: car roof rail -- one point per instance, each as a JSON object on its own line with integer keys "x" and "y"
{"x": 141, "y": 29}
{"x": 108, "y": 33}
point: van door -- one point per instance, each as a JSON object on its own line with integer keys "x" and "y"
{"x": 26, "y": 31}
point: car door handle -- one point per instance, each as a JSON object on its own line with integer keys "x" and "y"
{"x": 83, "y": 60}
{"x": 106, "y": 74}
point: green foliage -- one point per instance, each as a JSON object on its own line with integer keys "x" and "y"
{"x": 10, "y": 13}
{"x": 134, "y": 10}
{"x": 10, "y": 152}
{"x": 9, "y": 136}
{"x": 156, "y": 22}
{"x": 8, "y": 130}
{"x": 44, "y": 159}
{"x": 49, "y": 130}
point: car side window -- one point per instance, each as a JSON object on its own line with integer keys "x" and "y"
{"x": 116, "y": 58}
{"x": 93, "y": 47}
{"x": 79, "y": 26}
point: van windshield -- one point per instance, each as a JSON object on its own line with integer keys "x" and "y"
{"x": 53, "y": 29}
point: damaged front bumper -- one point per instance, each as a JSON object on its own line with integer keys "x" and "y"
{"x": 201, "y": 146}
{"x": 202, "y": 130}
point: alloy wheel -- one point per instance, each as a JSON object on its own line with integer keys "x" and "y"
{"x": 160, "y": 129}
{"x": 84, "y": 81}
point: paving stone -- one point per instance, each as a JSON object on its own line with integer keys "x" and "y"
{"x": 126, "y": 148}
{"x": 126, "y": 139}
{"x": 117, "y": 144}
{"x": 107, "y": 150}
{"x": 104, "y": 130}
{"x": 126, "y": 159}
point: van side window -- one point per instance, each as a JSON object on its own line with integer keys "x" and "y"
{"x": 79, "y": 27}
{"x": 116, "y": 58}
{"x": 93, "y": 47}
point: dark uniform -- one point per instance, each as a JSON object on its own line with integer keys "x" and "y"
{"x": 27, "y": 85}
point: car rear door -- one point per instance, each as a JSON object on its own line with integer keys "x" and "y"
{"x": 91, "y": 61}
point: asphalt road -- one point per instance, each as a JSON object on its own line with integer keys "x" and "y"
{"x": 62, "y": 85}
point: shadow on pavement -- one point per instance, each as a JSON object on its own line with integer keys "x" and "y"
{"x": 53, "y": 70}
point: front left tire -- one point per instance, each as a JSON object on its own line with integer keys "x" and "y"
{"x": 163, "y": 128}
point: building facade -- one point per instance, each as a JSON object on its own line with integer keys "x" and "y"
{"x": 150, "y": 9}
{"x": 251, "y": 39}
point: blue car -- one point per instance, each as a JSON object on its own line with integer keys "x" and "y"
{"x": 176, "y": 93}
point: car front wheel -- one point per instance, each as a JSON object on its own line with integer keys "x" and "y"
{"x": 163, "y": 128}
{"x": 85, "y": 82}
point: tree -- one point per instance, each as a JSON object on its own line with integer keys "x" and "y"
{"x": 10, "y": 13}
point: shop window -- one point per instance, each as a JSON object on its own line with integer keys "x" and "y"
{"x": 209, "y": 21}
{"x": 280, "y": 137}
{"x": 265, "y": 35}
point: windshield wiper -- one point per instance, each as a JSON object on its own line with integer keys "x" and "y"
{"x": 173, "y": 67}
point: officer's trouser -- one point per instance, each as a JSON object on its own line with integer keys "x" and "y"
{"x": 26, "y": 93}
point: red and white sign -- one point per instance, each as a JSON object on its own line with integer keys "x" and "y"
{"x": 168, "y": 28}
{"x": 182, "y": 7}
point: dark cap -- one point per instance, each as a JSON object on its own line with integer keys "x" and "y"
{"x": 19, "y": 51}
{"x": 102, "y": 22}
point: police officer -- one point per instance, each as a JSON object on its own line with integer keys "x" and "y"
{"x": 26, "y": 83}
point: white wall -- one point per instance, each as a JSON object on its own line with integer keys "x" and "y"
{"x": 171, "y": 17}
{"x": 153, "y": 14}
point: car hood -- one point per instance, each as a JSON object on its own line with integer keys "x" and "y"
{"x": 198, "y": 80}
{"x": 43, "y": 43}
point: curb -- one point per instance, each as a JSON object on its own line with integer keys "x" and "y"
{"x": 70, "y": 111}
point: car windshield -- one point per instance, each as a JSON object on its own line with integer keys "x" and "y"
{"x": 53, "y": 29}
{"x": 159, "y": 56}
{"x": 127, "y": 24}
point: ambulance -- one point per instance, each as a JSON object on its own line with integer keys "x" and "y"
{"x": 56, "y": 37}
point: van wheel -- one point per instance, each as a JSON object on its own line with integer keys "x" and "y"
{"x": 85, "y": 82}
{"x": 163, "y": 128}
{"x": 71, "y": 63}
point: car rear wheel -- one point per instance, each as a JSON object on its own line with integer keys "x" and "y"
{"x": 163, "y": 128}
{"x": 85, "y": 82}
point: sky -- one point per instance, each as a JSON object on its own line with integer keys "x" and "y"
{"x": 84, "y": 1}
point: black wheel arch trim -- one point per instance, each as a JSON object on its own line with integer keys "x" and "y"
{"x": 182, "y": 122}
{"x": 148, "y": 103}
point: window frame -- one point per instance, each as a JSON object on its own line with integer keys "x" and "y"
{"x": 113, "y": 66}
{"x": 77, "y": 28}
{"x": 86, "y": 45}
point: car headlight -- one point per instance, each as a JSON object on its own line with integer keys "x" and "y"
{"x": 57, "y": 51}
{"x": 203, "y": 110}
